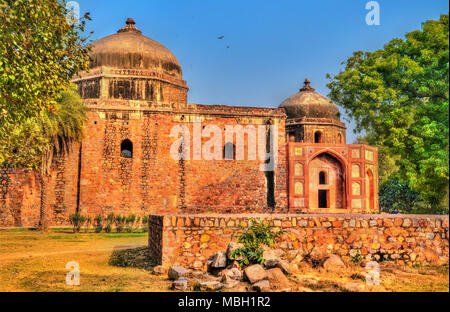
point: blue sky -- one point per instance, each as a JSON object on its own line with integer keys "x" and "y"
{"x": 272, "y": 45}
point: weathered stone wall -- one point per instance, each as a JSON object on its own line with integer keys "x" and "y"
{"x": 97, "y": 179}
{"x": 151, "y": 182}
{"x": 189, "y": 240}
{"x": 19, "y": 197}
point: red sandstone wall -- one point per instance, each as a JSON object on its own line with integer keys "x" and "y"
{"x": 189, "y": 240}
{"x": 151, "y": 181}
{"x": 19, "y": 198}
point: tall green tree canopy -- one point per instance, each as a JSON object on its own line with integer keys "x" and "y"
{"x": 40, "y": 52}
{"x": 400, "y": 95}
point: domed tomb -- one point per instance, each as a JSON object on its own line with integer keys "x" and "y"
{"x": 310, "y": 104}
{"x": 312, "y": 118}
{"x": 129, "y": 49}
{"x": 131, "y": 66}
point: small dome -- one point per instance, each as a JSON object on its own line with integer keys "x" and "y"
{"x": 129, "y": 49}
{"x": 310, "y": 104}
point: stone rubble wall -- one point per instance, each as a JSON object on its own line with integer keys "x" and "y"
{"x": 189, "y": 240}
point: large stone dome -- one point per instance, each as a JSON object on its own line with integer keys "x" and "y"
{"x": 310, "y": 104}
{"x": 129, "y": 49}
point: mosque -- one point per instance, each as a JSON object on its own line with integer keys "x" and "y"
{"x": 135, "y": 94}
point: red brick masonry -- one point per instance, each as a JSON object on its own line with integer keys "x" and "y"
{"x": 189, "y": 240}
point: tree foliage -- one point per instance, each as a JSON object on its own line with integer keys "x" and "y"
{"x": 400, "y": 95}
{"x": 397, "y": 195}
{"x": 61, "y": 127}
{"x": 39, "y": 54}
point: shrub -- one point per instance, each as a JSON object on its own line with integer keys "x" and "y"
{"x": 120, "y": 223}
{"x": 130, "y": 223}
{"x": 77, "y": 221}
{"x": 144, "y": 227}
{"x": 109, "y": 222}
{"x": 259, "y": 234}
{"x": 88, "y": 223}
{"x": 356, "y": 257}
{"x": 98, "y": 223}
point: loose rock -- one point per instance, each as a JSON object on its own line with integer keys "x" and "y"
{"x": 255, "y": 273}
{"x": 277, "y": 279}
{"x": 262, "y": 286}
{"x": 180, "y": 284}
{"x": 175, "y": 272}
{"x": 284, "y": 266}
{"x": 159, "y": 270}
{"x": 334, "y": 262}
{"x": 218, "y": 260}
{"x": 231, "y": 274}
{"x": 210, "y": 286}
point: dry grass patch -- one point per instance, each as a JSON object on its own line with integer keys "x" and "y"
{"x": 34, "y": 261}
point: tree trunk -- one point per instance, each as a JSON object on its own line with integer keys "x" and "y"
{"x": 43, "y": 220}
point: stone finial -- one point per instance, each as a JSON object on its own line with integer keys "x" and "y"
{"x": 307, "y": 86}
{"x": 130, "y": 27}
{"x": 130, "y": 21}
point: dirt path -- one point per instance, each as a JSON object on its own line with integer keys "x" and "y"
{"x": 23, "y": 255}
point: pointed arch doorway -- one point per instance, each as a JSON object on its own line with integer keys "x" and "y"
{"x": 326, "y": 183}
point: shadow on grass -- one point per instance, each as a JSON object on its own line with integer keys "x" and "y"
{"x": 132, "y": 257}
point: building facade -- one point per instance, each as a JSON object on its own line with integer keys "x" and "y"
{"x": 136, "y": 97}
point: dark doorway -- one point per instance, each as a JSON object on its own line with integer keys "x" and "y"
{"x": 270, "y": 178}
{"x": 318, "y": 137}
{"x": 126, "y": 149}
{"x": 322, "y": 178}
{"x": 323, "y": 199}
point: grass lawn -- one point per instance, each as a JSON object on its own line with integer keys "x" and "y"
{"x": 34, "y": 261}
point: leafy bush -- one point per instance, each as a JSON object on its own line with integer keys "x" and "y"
{"x": 130, "y": 220}
{"x": 259, "y": 234}
{"x": 77, "y": 221}
{"x": 109, "y": 222}
{"x": 128, "y": 224}
{"x": 144, "y": 227}
{"x": 135, "y": 257}
{"x": 357, "y": 257}
{"x": 88, "y": 223}
{"x": 98, "y": 223}
{"x": 394, "y": 194}
{"x": 120, "y": 223}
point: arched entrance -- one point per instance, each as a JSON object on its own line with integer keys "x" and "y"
{"x": 370, "y": 196}
{"x": 326, "y": 183}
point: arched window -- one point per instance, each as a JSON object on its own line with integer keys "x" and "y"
{"x": 298, "y": 169}
{"x": 229, "y": 151}
{"x": 322, "y": 178}
{"x": 356, "y": 189}
{"x": 299, "y": 188}
{"x": 356, "y": 171}
{"x": 318, "y": 138}
{"x": 339, "y": 138}
{"x": 126, "y": 149}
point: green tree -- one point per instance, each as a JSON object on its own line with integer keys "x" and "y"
{"x": 39, "y": 54}
{"x": 394, "y": 194}
{"x": 400, "y": 95}
{"x": 63, "y": 126}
